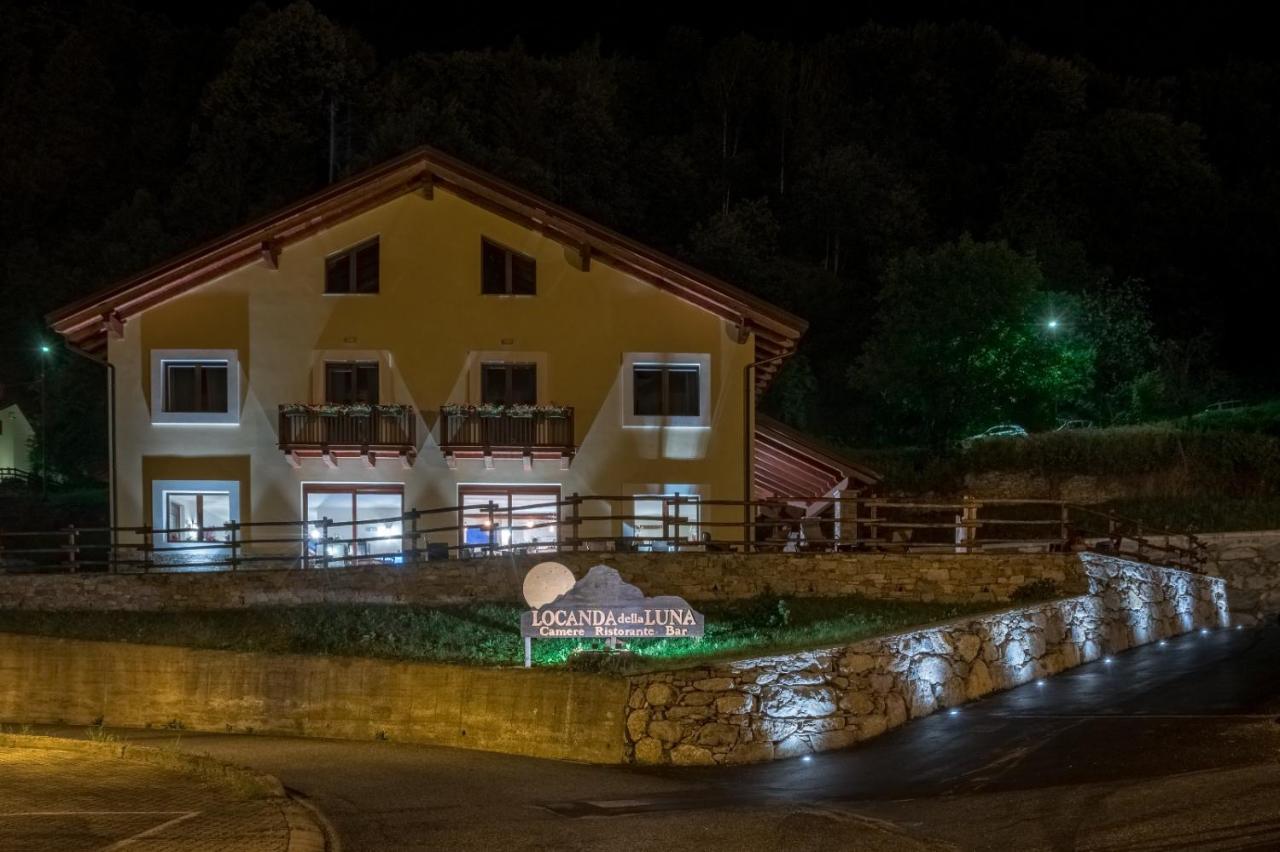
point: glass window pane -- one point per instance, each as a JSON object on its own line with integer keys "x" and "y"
{"x": 682, "y": 391}
{"x": 493, "y": 383}
{"x": 181, "y": 517}
{"x": 366, "y": 381}
{"x": 337, "y": 278}
{"x": 524, "y": 384}
{"x": 493, "y": 269}
{"x": 215, "y": 514}
{"x": 366, "y": 260}
{"x": 648, "y": 514}
{"x": 647, "y": 391}
{"x": 214, "y": 377}
{"x": 377, "y": 524}
{"x": 337, "y": 507}
{"x": 523, "y": 276}
{"x": 180, "y": 388}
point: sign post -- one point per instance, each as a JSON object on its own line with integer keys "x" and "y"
{"x": 599, "y": 606}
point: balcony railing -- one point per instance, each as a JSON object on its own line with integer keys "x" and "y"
{"x": 382, "y": 430}
{"x": 472, "y": 433}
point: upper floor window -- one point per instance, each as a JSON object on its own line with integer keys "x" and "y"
{"x": 348, "y": 382}
{"x": 666, "y": 389}
{"x": 504, "y": 272}
{"x": 354, "y": 270}
{"x": 509, "y": 384}
{"x": 195, "y": 386}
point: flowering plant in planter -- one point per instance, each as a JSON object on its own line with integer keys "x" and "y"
{"x": 452, "y": 409}
{"x": 553, "y": 410}
{"x": 391, "y": 409}
{"x": 490, "y": 409}
{"x": 328, "y": 409}
{"x": 521, "y": 410}
{"x": 295, "y": 409}
{"x": 358, "y": 409}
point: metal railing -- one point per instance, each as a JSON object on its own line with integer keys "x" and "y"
{"x": 595, "y": 522}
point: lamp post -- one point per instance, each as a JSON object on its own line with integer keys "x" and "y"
{"x": 44, "y": 422}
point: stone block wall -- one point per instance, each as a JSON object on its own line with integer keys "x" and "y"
{"x": 1250, "y": 564}
{"x": 781, "y": 706}
{"x": 948, "y": 578}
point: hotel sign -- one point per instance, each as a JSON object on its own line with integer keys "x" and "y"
{"x": 603, "y": 606}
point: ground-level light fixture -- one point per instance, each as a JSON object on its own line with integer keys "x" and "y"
{"x": 953, "y": 712}
{"x": 1107, "y": 660}
{"x": 1040, "y": 682}
{"x": 1051, "y": 324}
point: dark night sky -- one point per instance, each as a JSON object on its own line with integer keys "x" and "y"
{"x": 1147, "y": 37}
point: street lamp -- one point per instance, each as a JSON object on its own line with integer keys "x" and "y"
{"x": 45, "y": 349}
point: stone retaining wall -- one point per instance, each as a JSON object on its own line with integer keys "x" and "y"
{"x": 1250, "y": 563}
{"x": 948, "y": 578}
{"x": 538, "y": 712}
{"x": 782, "y": 706}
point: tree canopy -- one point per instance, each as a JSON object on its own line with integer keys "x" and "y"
{"x": 837, "y": 174}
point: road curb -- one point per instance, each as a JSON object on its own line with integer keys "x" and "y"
{"x": 309, "y": 831}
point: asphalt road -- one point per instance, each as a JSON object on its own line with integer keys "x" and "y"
{"x": 1168, "y": 747}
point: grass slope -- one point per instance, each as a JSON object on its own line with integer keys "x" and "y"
{"x": 485, "y": 634}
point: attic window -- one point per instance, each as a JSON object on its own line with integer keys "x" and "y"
{"x": 354, "y": 270}
{"x": 504, "y": 272}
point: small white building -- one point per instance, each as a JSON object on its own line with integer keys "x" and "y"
{"x": 15, "y": 442}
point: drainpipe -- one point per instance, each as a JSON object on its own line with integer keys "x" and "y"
{"x": 748, "y": 443}
{"x": 111, "y": 441}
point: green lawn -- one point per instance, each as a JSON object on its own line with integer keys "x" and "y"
{"x": 486, "y": 634}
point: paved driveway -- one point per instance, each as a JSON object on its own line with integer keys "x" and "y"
{"x": 1172, "y": 746}
{"x": 71, "y": 800}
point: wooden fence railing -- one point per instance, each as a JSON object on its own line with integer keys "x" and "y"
{"x": 594, "y": 522}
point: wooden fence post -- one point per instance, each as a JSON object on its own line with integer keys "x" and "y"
{"x": 675, "y": 538}
{"x": 73, "y": 551}
{"x": 576, "y": 520}
{"x": 324, "y": 542}
{"x": 233, "y": 529}
{"x": 412, "y": 555}
{"x": 493, "y": 533}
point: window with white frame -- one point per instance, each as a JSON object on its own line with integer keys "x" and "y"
{"x": 193, "y": 511}
{"x": 195, "y": 386}
{"x": 666, "y": 389}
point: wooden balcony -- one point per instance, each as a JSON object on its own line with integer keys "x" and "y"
{"x": 470, "y": 434}
{"x": 386, "y": 433}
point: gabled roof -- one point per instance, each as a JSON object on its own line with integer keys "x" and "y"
{"x": 86, "y": 323}
{"x": 789, "y": 464}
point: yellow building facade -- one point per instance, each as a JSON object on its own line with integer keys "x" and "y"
{"x": 508, "y": 353}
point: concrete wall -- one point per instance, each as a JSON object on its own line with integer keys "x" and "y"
{"x": 538, "y": 712}
{"x": 1250, "y": 563}
{"x": 952, "y": 578}
{"x": 793, "y": 704}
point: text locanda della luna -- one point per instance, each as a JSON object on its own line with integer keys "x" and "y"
{"x": 621, "y": 623}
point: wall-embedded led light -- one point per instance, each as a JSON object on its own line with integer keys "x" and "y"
{"x": 1106, "y": 660}
{"x": 807, "y": 758}
{"x": 1040, "y": 682}
{"x": 1163, "y": 643}
{"x": 1204, "y": 631}
{"x": 953, "y": 712}
{"x": 1239, "y": 627}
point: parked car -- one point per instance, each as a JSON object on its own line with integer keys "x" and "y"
{"x": 1001, "y": 430}
{"x": 1072, "y": 425}
{"x": 1221, "y": 407}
